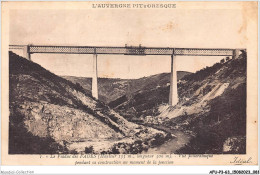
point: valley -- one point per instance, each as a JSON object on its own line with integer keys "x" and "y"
{"x": 132, "y": 116}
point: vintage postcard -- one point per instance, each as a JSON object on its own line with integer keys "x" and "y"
{"x": 129, "y": 83}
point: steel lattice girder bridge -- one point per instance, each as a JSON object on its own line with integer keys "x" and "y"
{"x": 129, "y": 50}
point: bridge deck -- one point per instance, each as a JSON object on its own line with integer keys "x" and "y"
{"x": 127, "y": 50}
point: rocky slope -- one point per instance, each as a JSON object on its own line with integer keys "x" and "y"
{"x": 49, "y": 114}
{"x": 110, "y": 89}
{"x": 212, "y": 109}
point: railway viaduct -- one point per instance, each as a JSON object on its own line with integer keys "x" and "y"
{"x": 128, "y": 50}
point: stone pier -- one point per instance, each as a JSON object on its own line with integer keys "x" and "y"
{"x": 173, "y": 98}
{"x": 26, "y": 53}
{"x": 94, "y": 78}
{"x": 235, "y": 53}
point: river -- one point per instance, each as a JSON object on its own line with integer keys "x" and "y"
{"x": 171, "y": 146}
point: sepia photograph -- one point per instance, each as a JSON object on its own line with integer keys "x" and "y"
{"x": 129, "y": 78}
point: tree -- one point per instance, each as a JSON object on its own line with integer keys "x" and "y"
{"x": 227, "y": 58}
{"x": 79, "y": 87}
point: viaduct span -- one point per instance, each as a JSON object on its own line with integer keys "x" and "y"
{"x": 128, "y": 50}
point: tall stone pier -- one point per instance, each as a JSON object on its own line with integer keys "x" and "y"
{"x": 94, "y": 78}
{"x": 173, "y": 98}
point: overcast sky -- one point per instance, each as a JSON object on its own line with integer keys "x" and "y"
{"x": 117, "y": 27}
